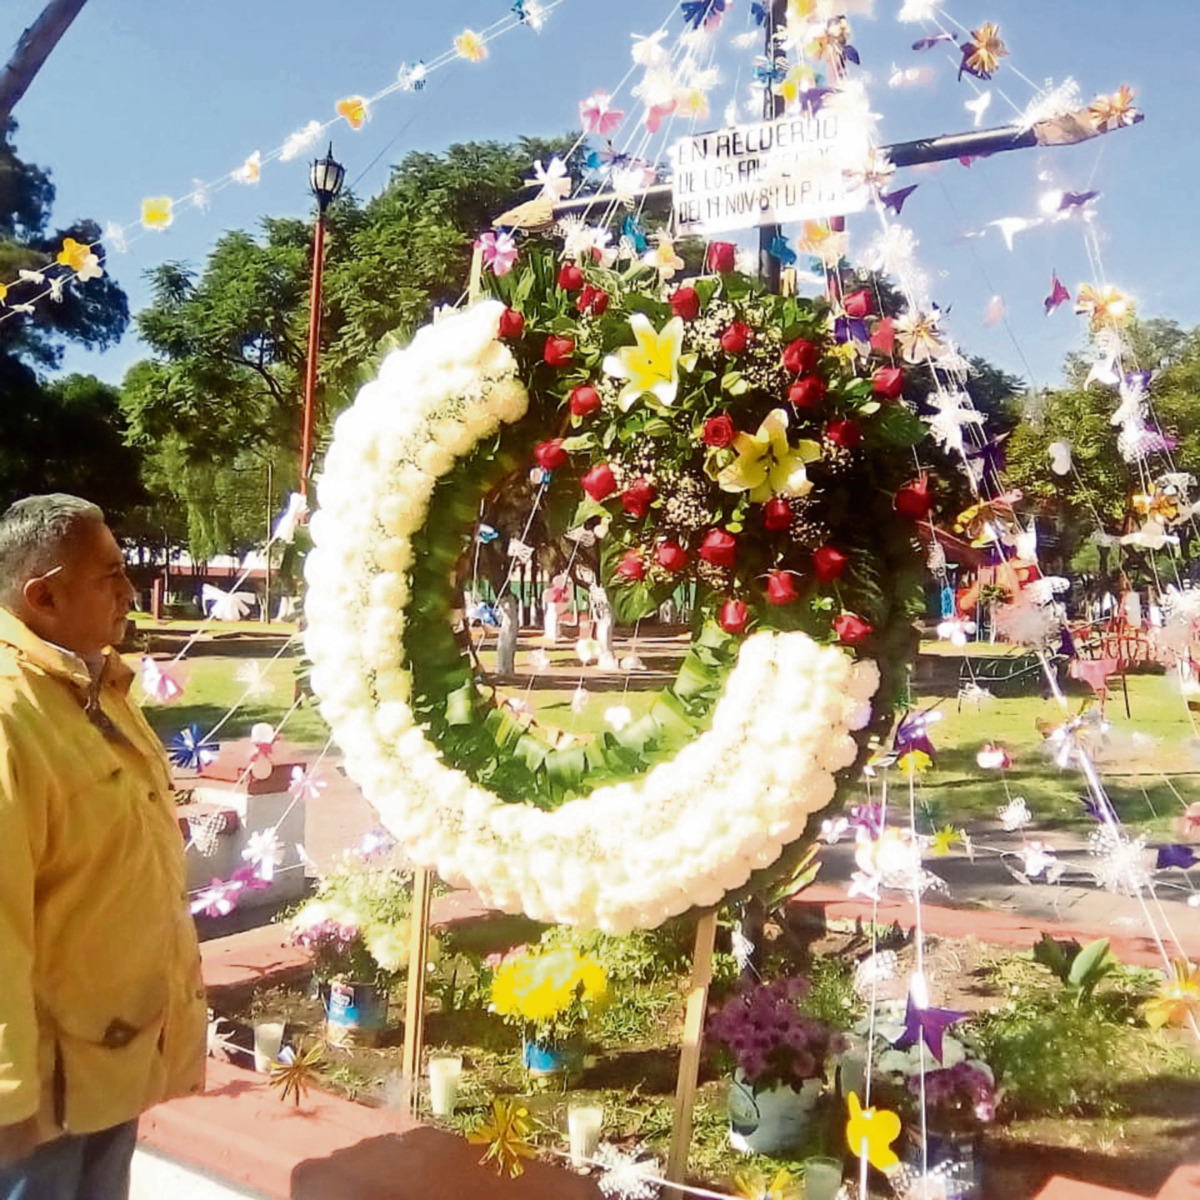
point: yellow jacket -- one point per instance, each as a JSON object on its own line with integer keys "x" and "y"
{"x": 102, "y": 1010}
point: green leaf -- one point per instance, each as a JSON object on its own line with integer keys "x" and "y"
{"x": 898, "y": 426}
{"x": 460, "y": 705}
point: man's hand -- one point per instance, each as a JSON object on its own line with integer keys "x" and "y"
{"x": 18, "y": 1141}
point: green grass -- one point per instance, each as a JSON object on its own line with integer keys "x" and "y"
{"x": 212, "y": 688}
{"x": 1146, "y": 756}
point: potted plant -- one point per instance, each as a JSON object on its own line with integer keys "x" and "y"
{"x": 358, "y": 927}
{"x": 779, "y": 1057}
{"x": 549, "y": 992}
{"x": 959, "y": 1100}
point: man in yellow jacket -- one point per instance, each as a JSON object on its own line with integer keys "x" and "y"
{"x": 102, "y": 1010}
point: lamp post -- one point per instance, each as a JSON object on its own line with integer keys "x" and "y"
{"x": 325, "y": 177}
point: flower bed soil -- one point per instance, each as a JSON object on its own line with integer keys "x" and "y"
{"x": 1132, "y": 1136}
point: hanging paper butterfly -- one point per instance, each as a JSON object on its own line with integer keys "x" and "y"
{"x": 895, "y": 200}
{"x": 189, "y": 749}
{"x": 928, "y": 43}
{"x": 703, "y": 12}
{"x": 609, "y": 158}
{"x": 770, "y": 70}
{"x": 631, "y": 229}
{"x": 779, "y": 249}
{"x": 487, "y": 535}
{"x": 1059, "y": 293}
{"x": 759, "y": 12}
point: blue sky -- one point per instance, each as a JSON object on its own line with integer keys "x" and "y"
{"x": 143, "y": 97}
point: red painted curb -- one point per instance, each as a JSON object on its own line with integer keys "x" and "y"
{"x": 239, "y": 1130}
{"x": 1071, "y": 1189}
{"x": 1183, "y": 1185}
{"x": 999, "y": 929}
{"x": 252, "y": 957}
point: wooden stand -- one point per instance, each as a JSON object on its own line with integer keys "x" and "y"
{"x": 689, "y": 1058}
{"x": 414, "y": 1011}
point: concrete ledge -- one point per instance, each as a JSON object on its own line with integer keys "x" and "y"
{"x": 332, "y": 1149}
{"x": 250, "y": 959}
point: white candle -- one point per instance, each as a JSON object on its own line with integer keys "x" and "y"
{"x": 268, "y": 1041}
{"x": 583, "y": 1126}
{"x": 822, "y": 1178}
{"x": 444, "y": 1074}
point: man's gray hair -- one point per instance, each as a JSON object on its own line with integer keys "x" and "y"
{"x": 33, "y": 534}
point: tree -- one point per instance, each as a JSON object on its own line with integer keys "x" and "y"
{"x": 219, "y": 404}
{"x": 66, "y": 435}
{"x": 1097, "y": 493}
{"x": 32, "y": 50}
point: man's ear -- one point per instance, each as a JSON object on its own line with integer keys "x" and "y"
{"x": 39, "y": 596}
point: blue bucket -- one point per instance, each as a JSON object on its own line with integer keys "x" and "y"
{"x": 355, "y": 1014}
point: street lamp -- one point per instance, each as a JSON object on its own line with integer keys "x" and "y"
{"x": 325, "y": 178}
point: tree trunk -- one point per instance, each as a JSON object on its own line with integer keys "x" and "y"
{"x": 33, "y": 48}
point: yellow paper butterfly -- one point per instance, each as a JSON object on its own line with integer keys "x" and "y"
{"x": 157, "y": 212}
{"x": 870, "y": 1133}
{"x": 354, "y": 110}
{"x": 470, "y": 46}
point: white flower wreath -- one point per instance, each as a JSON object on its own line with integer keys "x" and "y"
{"x": 629, "y": 854}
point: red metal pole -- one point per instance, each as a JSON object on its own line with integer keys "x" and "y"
{"x": 314, "y": 337}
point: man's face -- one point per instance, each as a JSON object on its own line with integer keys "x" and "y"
{"x": 83, "y": 606}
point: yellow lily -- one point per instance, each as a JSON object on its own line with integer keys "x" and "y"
{"x": 652, "y": 365}
{"x": 766, "y": 465}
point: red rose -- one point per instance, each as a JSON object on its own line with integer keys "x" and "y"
{"x": 851, "y": 630}
{"x": 888, "y": 383}
{"x": 844, "y": 432}
{"x": 735, "y": 337}
{"x": 558, "y": 351}
{"x": 777, "y": 514}
{"x": 599, "y": 482}
{"x": 781, "y": 587}
{"x": 719, "y": 431}
{"x": 883, "y": 337}
{"x": 512, "y": 324}
{"x": 631, "y": 567}
{"x": 800, "y": 357}
{"x": 735, "y": 616}
{"x": 828, "y": 563}
{"x": 637, "y": 498}
{"x": 915, "y": 499}
{"x": 685, "y": 303}
{"x": 671, "y": 556}
{"x": 807, "y": 392}
{"x": 592, "y": 300}
{"x": 859, "y": 304}
{"x": 719, "y": 548}
{"x": 722, "y": 257}
{"x": 570, "y": 278}
{"x": 550, "y": 455}
{"x": 584, "y": 399}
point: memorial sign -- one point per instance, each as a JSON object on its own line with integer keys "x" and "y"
{"x": 792, "y": 168}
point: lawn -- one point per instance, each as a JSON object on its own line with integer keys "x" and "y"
{"x": 1150, "y": 761}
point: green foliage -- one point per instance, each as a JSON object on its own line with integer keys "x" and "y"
{"x": 1078, "y": 968}
{"x": 1080, "y": 1059}
{"x": 65, "y": 435}
{"x": 220, "y": 401}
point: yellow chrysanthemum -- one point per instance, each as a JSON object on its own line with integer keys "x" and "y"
{"x": 914, "y": 762}
{"x": 593, "y": 978}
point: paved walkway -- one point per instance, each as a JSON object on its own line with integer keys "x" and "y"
{"x": 342, "y": 816}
